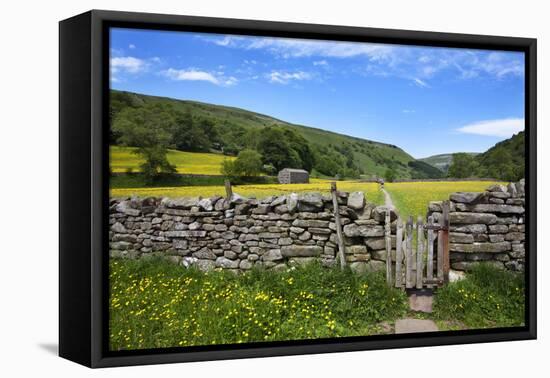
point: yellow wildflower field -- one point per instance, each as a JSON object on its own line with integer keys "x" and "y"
{"x": 373, "y": 194}
{"x": 154, "y": 304}
{"x": 124, "y": 158}
{"x": 412, "y": 198}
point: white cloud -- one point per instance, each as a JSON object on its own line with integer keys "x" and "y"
{"x": 231, "y": 80}
{"x": 225, "y": 41}
{"x": 386, "y": 60}
{"x": 500, "y": 65}
{"x": 131, "y": 46}
{"x": 503, "y": 128}
{"x": 127, "y": 64}
{"x": 424, "y": 59}
{"x": 281, "y": 77}
{"x": 296, "y": 48}
{"x": 408, "y": 111}
{"x": 420, "y": 83}
{"x": 193, "y": 74}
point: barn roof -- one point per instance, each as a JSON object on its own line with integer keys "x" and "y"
{"x": 294, "y": 170}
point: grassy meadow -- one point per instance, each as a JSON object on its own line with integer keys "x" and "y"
{"x": 412, "y": 198}
{"x": 124, "y": 159}
{"x": 373, "y": 194}
{"x": 488, "y": 297}
{"x": 155, "y": 304}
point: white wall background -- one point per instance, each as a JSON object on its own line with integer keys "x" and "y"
{"x": 29, "y": 184}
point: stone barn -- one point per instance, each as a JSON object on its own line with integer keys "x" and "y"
{"x": 293, "y": 176}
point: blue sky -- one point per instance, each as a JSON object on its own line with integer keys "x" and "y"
{"x": 425, "y": 100}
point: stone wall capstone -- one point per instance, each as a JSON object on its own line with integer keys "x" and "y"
{"x": 276, "y": 232}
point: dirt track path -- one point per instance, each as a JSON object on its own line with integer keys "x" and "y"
{"x": 387, "y": 198}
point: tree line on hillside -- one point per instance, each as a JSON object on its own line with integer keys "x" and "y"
{"x": 505, "y": 161}
{"x": 155, "y": 127}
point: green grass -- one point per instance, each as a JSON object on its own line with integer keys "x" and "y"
{"x": 486, "y": 298}
{"x": 137, "y": 180}
{"x": 154, "y": 304}
{"x": 125, "y": 158}
{"x": 412, "y": 198}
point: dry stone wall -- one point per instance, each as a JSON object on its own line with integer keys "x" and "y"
{"x": 278, "y": 232}
{"x": 487, "y": 226}
{"x": 238, "y": 234}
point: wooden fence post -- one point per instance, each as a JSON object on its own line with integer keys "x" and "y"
{"x": 440, "y": 250}
{"x": 341, "y": 245}
{"x": 408, "y": 254}
{"x": 388, "y": 247}
{"x": 228, "y": 190}
{"x": 445, "y": 241}
{"x": 419, "y": 252}
{"x": 398, "y": 253}
{"x": 430, "y": 262}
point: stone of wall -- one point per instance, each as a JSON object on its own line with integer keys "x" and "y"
{"x": 487, "y": 226}
{"x": 274, "y": 232}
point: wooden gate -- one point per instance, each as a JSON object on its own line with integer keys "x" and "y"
{"x": 421, "y": 261}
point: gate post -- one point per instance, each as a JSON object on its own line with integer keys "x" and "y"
{"x": 419, "y": 252}
{"x": 228, "y": 190}
{"x": 388, "y": 247}
{"x": 445, "y": 223}
{"x": 341, "y": 245}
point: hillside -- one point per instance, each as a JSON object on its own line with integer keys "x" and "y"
{"x": 505, "y": 160}
{"x": 236, "y": 129}
{"x": 442, "y": 161}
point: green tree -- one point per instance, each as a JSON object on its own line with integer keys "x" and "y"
{"x": 505, "y": 160}
{"x": 390, "y": 175}
{"x": 463, "y": 165}
{"x": 284, "y": 148}
{"x": 327, "y": 166}
{"x": 233, "y": 138}
{"x": 302, "y": 152}
{"x": 247, "y": 164}
{"x": 118, "y": 102}
{"x": 228, "y": 169}
{"x": 275, "y": 149}
{"x": 155, "y": 163}
{"x": 147, "y": 128}
{"x": 210, "y": 129}
{"x": 252, "y": 138}
{"x": 189, "y": 135}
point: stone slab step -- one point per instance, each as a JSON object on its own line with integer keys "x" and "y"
{"x": 421, "y": 301}
{"x": 409, "y": 325}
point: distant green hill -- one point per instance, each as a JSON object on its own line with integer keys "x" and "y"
{"x": 505, "y": 160}
{"x": 442, "y": 161}
{"x": 235, "y": 127}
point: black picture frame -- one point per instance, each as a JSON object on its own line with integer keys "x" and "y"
{"x": 83, "y": 180}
